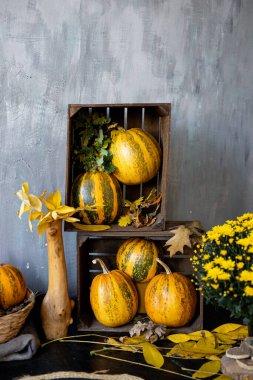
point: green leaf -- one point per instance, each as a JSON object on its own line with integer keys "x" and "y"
{"x": 207, "y": 369}
{"x": 152, "y": 355}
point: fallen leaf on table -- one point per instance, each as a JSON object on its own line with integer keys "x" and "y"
{"x": 227, "y": 327}
{"x": 232, "y": 330}
{"x": 115, "y": 342}
{"x": 152, "y": 355}
{"x": 207, "y": 370}
{"x": 196, "y": 335}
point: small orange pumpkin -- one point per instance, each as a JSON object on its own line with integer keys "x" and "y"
{"x": 12, "y": 286}
{"x": 170, "y": 298}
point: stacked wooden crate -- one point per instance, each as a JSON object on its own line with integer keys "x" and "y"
{"x": 155, "y": 119}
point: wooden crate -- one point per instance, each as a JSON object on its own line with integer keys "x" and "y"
{"x": 89, "y": 248}
{"x": 153, "y": 118}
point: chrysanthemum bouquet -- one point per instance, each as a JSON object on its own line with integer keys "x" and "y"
{"x": 223, "y": 266}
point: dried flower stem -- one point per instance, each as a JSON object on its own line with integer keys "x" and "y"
{"x": 96, "y": 353}
{"x": 66, "y": 338}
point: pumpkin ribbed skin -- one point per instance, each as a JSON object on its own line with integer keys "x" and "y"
{"x": 113, "y": 298}
{"x": 12, "y": 286}
{"x": 137, "y": 257}
{"x": 136, "y": 156}
{"x": 170, "y": 299}
{"x": 99, "y": 188}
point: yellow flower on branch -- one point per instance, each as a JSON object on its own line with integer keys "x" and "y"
{"x": 54, "y": 209}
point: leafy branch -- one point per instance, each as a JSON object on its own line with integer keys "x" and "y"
{"x": 141, "y": 212}
{"x": 209, "y": 345}
{"x": 92, "y": 140}
{"x": 53, "y": 210}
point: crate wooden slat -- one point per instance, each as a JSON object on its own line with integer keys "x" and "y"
{"x": 153, "y": 118}
{"x": 89, "y": 248}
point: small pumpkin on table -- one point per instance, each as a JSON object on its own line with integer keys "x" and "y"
{"x": 12, "y": 286}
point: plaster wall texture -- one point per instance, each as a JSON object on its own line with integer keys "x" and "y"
{"x": 195, "y": 54}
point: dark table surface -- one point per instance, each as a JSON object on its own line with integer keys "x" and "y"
{"x": 76, "y": 357}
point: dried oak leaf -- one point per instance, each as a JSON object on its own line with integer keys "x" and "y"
{"x": 177, "y": 242}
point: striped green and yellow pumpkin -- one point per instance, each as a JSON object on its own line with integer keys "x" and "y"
{"x": 170, "y": 298}
{"x": 113, "y": 297}
{"x": 101, "y": 190}
{"x": 136, "y": 155}
{"x": 137, "y": 257}
{"x": 12, "y": 286}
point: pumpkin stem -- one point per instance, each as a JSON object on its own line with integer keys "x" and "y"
{"x": 167, "y": 269}
{"x": 103, "y": 266}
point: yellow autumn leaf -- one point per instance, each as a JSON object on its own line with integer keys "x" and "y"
{"x": 177, "y": 242}
{"x": 22, "y": 195}
{"x": 179, "y": 338}
{"x": 138, "y": 201}
{"x": 25, "y": 188}
{"x": 240, "y": 333}
{"x": 224, "y": 338}
{"x": 35, "y": 215}
{"x": 191, "y": 348}
{"x": 196, "y": 335}
{"x": 55, "y": 199}
{"x": 91, "y": 227}
{"x": 115, "y": 342}
{"x": 206, "y": 343}
{"x": 185, "y": 352}
{"x": 227, "y": 327}
{"x": 71, "y": 219}
{"x": 213, "y": 357}
{"x": 48, "y": 205}
{"x": 42, "y": 227}
{"x": 152, "y": 355}
{"x": 124, "y": 221}
{"x": 135, "y": 340}
{"x": 223, "y": 377}
{"x": 32, "y": 216}
{"x": 35, "y": 202}
{"x": 65, "y": 210}
{"x": 44, "y": 223}
{"x": 23, "y": 209}
{"x": 207, "y": 369}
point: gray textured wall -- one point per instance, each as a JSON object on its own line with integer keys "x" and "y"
{"x": 196, "y": 54}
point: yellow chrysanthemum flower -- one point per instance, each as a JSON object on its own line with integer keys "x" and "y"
{"x": 248, "y": 291}
{"x": 246, "y": 275}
